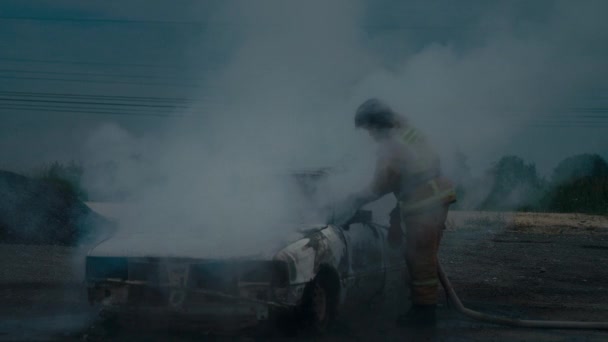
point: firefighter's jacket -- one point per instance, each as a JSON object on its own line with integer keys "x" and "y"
{"x": 409, "y": 167}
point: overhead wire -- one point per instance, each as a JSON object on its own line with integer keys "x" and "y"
{"x": 100, "y": 81}
{"x": 97, "y": 63}
{"x": 105, "y": 20}
{"x": 91, "y": 103}
{"x": 85, "y": 111}
{"x": 132, "y": 102}
{"x": 101, "y": 97}
{"x": 40, "y": 72}
{"x": 227, "y": 24}
{"x": 140, "y": 105}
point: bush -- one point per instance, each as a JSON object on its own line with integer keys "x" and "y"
{"x": 579, "y": 167}
{"x": 513, "y": 185}
{"x": 585, "y": 195}
{"x": 578, "y": 184}
{"x": 41, "y": 212}
{"x": 66, "y": 177}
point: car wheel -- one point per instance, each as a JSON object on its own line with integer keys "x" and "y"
{"x": 319, "y": 304}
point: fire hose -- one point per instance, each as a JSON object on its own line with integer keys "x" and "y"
{"x": 453, "y": 297}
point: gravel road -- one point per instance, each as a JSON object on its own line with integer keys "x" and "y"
{"x": 536, "y": 272}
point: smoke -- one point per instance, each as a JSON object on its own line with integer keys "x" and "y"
{"x": 511, "y": 70}
{"x": 284, "y": 100}
{"x": 507, "y": 86}
{"x": 280, "y": 104}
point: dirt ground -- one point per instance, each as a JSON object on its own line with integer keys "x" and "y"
{"x": 536, "y": 266}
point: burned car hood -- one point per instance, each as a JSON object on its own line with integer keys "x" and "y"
{"x": 198, "y": 246}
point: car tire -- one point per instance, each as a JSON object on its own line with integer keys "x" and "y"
{"x": 319, "y": 305}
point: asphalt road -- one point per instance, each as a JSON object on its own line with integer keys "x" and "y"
{"x": 496, "y": 269}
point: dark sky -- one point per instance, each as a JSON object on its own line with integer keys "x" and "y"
{"x": 67, "y": 67}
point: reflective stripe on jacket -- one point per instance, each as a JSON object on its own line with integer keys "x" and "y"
{"x": 437, "y": 191}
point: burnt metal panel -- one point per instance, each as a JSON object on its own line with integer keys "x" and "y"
{"x": 216, "y": 276}
{"x": 144, "y": 271}
{"x": 225, "y": 275}
{"x": 147, "y": 295}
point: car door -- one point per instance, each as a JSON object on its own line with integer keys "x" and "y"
{"x": 365, "y": 255}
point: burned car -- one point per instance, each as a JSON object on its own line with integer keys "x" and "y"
{"x": 308, "y": 280}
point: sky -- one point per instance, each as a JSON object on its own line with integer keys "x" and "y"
{"x": 107, "y": 80}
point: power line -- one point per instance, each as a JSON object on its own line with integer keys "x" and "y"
{"x": 396, "y": 27}
{"x": 101, "y": 97}
{"x": 113, "y": 21}
{"x": 201, "y": 24}
{"x": 117, "y": 100}
{"x": 161, "y": 114}
{"x": 97, "y": 112}
{"x": 91, "y": 103}
{"x": 46, "y": 61}
{"x": 595, "y": 112}
{"x": 97, "y": 103}
{"x": 590, "y": 125}
{"x": 591, "y": 109}
{"x": 98, "y": 81}
{"x": 85, "y": 108}
{"x": 141, "y": 105}
{"x": 571, "y": 123}
{"x": 94, "y": 74}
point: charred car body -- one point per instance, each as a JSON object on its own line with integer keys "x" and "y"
{"x": 308, "y": 280}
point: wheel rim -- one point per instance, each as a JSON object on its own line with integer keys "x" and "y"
{"x": 319, "y": 302}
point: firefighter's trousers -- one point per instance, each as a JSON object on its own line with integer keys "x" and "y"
{"x": 423, "y": 231}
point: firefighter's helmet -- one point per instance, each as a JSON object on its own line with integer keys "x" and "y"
{"x": 374, "y": 113}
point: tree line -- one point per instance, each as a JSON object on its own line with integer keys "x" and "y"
{"x": 577, "y": 184}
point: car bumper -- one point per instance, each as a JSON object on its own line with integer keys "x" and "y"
{"x": 135, "y": 304}
{"x": 231, "y": 317}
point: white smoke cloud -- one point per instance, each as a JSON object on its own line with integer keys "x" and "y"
{"x": 281, "y": 104}
{"x": 515, "y": 70}
{"x": 286, "y": 96}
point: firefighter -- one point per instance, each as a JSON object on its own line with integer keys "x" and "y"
{"x": 408, "y": 167}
